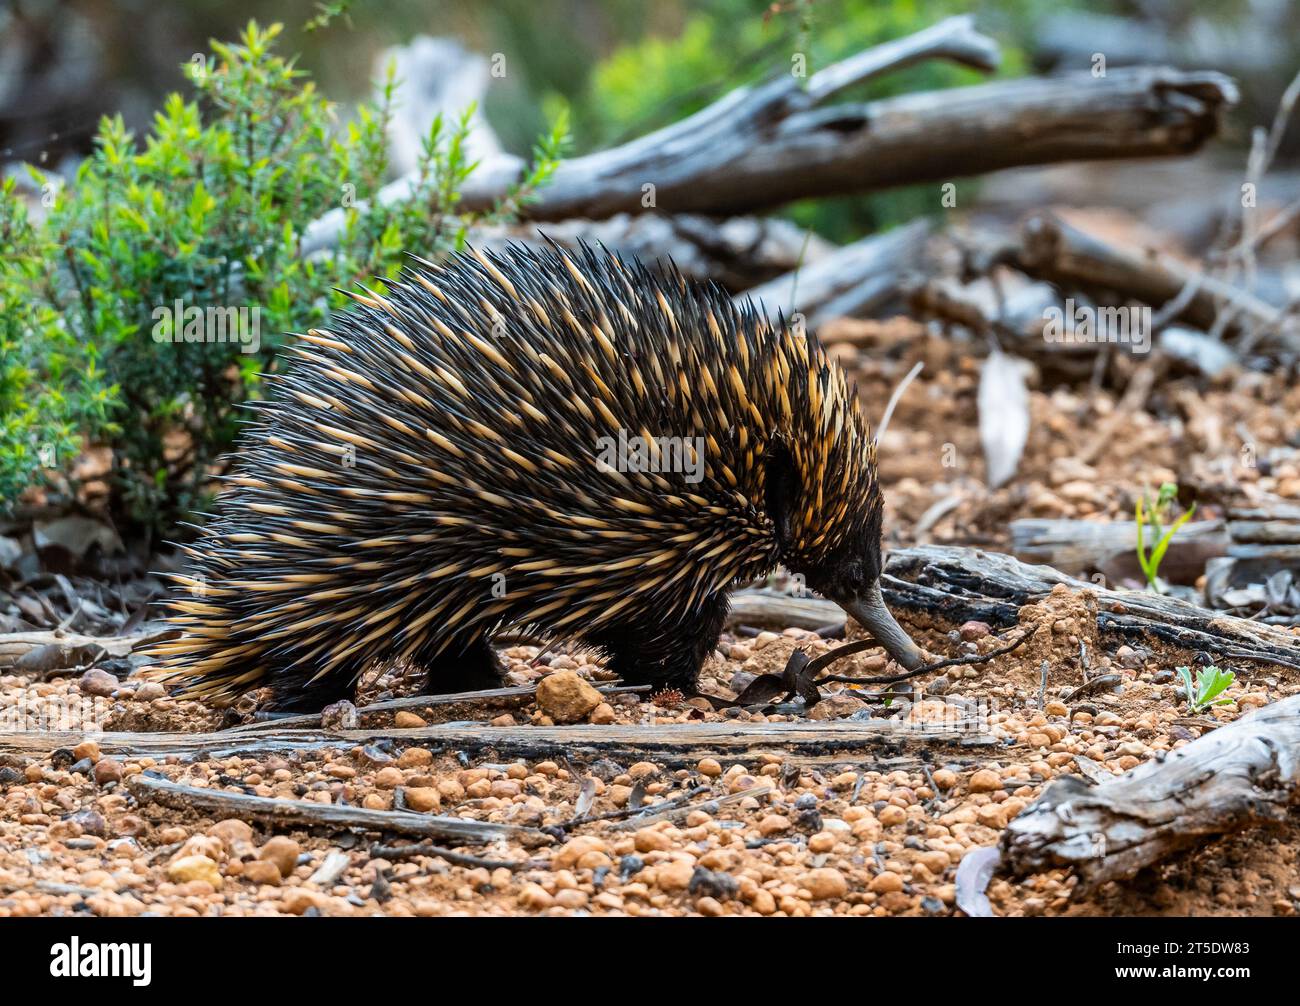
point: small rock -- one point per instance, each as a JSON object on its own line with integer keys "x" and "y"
{"x": 191, "y": 868}
{"x": 709, "y": 767}
{"x": 713, "y": 884}
{"x": 835, "y": 707}
{"x": 86, "y": 749}
{"x": 261, "y": 871}
{"x": 424, "y": 799}
{"x": 98, "y": 682}
{"x": 233, "y": 834}
{"x": 283, "y": 852}
{"x": 825, "y": 884}
{"x": 408, "y": 720}
{"x": 985, "y": 781}
{"x": 149, "y": 691}
{"x": 566, "y": 698}
{"x": 107, "y": 770}
{"x": 674, "y": 876}
{"x": 91, "y": 822}
{"x": 575, "y": 849}
{"x": 603, "y": 713}
{"x": 886, "y": 882}
{"x": 534, "y": 896}
{"x": 773, "y": 824}
{"x": 650, "y": 840}
{"x": 973, "y": 630}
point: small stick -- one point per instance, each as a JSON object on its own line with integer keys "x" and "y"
{"x": 455, "y": 858}
{"x": 615, "y": 815}
{"x": 889, "y": 679}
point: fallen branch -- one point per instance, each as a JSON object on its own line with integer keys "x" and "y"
{"x": 959, "y": 584}
{"x": 672, "y": 743}
{"x": 1242, "y": 774}
{"x": 773, "y": 144}
{"x": 1053, "y": 250}
{"x": 780, "y": 141}
{"x": 486, "y": 699}
{"x": 852, "y": 280}
{"x": 396, "y": 852}
{"x": 274, "y": 810}
{"x": 824, "y": 660}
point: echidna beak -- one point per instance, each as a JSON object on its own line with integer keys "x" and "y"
{"x": 869, "y": 609}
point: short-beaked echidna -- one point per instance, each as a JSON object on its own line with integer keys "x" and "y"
{"x": 557, "y": 441}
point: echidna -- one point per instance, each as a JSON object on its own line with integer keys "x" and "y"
{"x": 557, "y": 441}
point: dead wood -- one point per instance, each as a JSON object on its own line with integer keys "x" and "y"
{"x": 274, "y": 810}
{"x": 1054, "y": 251}
{"x": 16, "y": 645}
{"x": 674, "y": 744}
{"x": 851, "y": 281}
{"x": 738, "y": 252}
{"x": 762, "y": 147}
{"x": 760, "y": 607}
{"x": 783, "y": 140}
{"x": 453, "y": 704}
{"x": 1242, "y": 774}
{"x": 1080, "y": 546}
{"x": 961, "y": 583}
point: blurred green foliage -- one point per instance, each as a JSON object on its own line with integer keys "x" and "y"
{"x": 209, "y": 210}
{"x": 727, "y": 43}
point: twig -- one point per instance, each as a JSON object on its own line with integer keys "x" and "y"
{"x": 889, "y": 679}
{"x": 711, "y": 806}
{"x": 616, "y": 815}
{"x": 1101, "y": 683}
{"x": 893, "y": 399}
{"x": 395, "y": 852}
{"x": 274, "y": 810}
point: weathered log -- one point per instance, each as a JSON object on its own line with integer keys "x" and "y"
{"x": 454, "y": 703}
{"x": 763, "y": 146}
{"x": 760, "y": 148}
{"x": 1081, "y": 546}
{"x": 775, "y": 610}
{"x": 276, "y": 810}
{"x": 1055, "y": 251}
{"x": 854, "y": 280}
{"x": 960, "y": 583}
{"x": 673, "y": 743}
{"x": 16, "y": 645}
{"x": 739, "y": 252}
{"x": 1245, "y": 773}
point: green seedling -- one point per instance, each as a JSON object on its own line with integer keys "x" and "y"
{"x": 1210, "y": 684}
{"x": 1154, "y": 517}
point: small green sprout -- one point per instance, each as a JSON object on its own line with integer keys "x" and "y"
{"x": 1210, "y": 684}
{"x": 1154, "y": 516}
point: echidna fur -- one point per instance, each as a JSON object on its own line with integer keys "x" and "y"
{"x": 429, "y": 473}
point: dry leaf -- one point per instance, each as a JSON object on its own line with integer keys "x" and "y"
{"x": 1004, "y": 415}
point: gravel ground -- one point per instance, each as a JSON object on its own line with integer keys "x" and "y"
{"x": 801, "y": 835}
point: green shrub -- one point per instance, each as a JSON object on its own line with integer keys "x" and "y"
{"x": 50, "y": 387}
{"x": 207, "y": 214}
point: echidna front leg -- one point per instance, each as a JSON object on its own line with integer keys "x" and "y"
{"x": 463, "y": 667}
{"x": 665, "y": 656}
